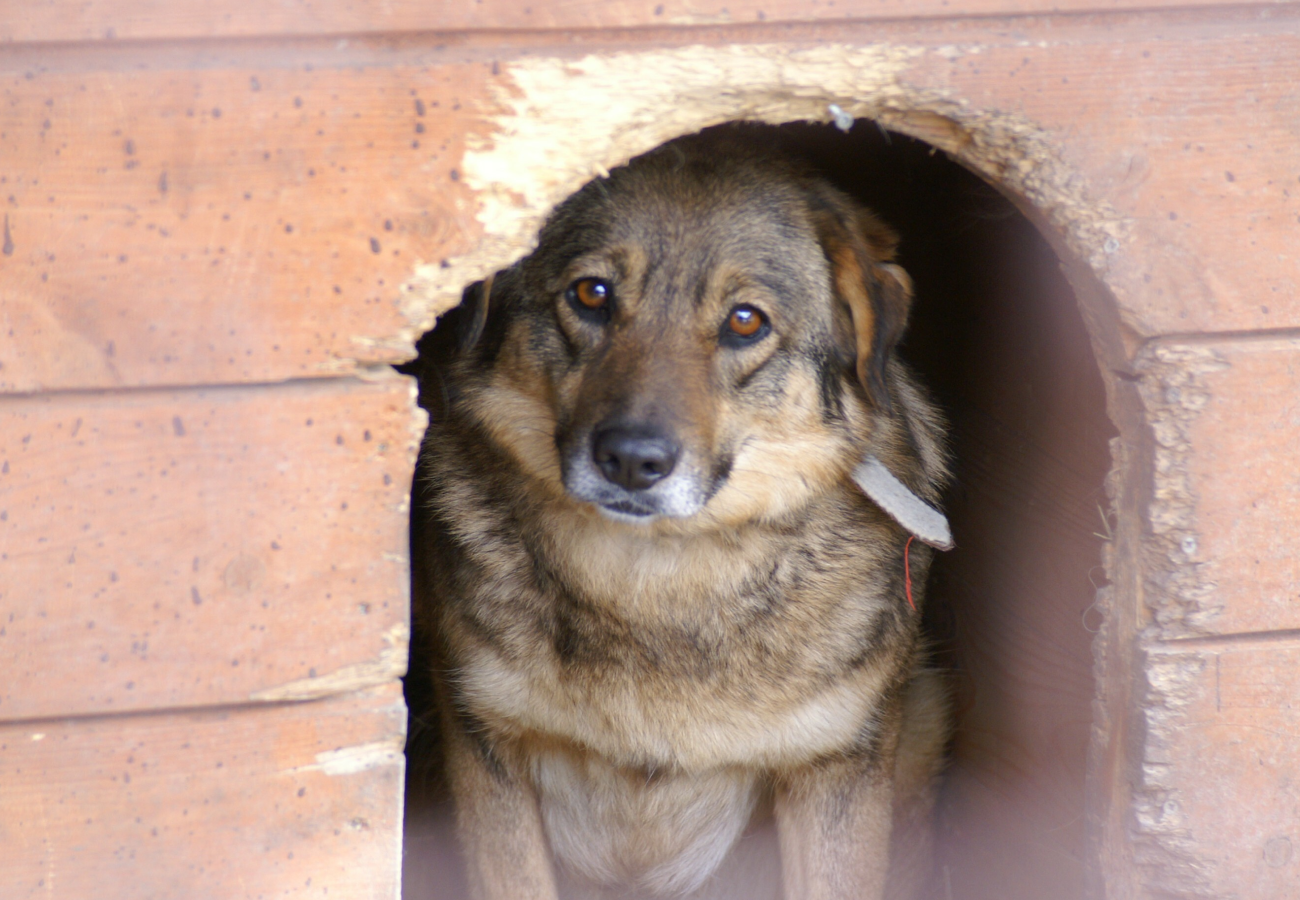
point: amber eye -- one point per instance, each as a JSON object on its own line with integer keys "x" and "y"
{"x": 590, "y": 292}
{"x": 745, "y": 322}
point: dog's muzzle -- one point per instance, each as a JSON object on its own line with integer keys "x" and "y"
{"x": 633, "y": 473}
{"x": 634, "y": 459}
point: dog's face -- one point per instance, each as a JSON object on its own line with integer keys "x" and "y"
{"x": 697, "y": 337}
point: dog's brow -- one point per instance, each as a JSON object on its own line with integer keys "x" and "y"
{"x": 742, "y": 282}
{"x": 708, "y": 265}
{"x": 649, "y": 269}
{"x": 604, "y": 261}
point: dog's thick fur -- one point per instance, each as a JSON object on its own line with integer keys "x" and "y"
{"x": 630, "y": 673}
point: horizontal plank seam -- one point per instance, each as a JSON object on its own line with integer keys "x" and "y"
{"x": 770, "y": 31}
{"x": 214, "y": 709}
{"x": 368, "y": 375}
{"x": 1220, "y": 337}
{"x": 1239, "y": 637}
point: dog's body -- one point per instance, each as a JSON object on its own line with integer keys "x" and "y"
{"x": 658, "y": 602}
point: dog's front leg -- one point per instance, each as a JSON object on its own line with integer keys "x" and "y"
{"x": 497, "y": 817}
{"x": 834, "y": 820}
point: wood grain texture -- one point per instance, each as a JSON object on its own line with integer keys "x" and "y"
{"x": 184, "y": 548}
{"x": 1186, "y": 129}
{"x": 1242, "y": 446}
{"x": 215, "y": 200}
{"x": 194, "y": 218}
{"x": 194, "y": 223}
{"x": 299, "y": 800}
{"x": 1218, "y": 811}
{"x": 94, "y": 20}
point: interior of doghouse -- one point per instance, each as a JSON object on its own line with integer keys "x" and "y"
{"x": 997, "y": 334}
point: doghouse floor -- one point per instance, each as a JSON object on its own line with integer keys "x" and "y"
{"x": 997, "y": 335}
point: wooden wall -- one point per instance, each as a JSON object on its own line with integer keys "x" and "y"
{"x": 210, "y": 212}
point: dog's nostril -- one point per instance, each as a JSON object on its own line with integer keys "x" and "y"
{"x": 633, "y": 459}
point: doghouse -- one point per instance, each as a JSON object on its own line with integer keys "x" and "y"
{"x": 223, "y": 224}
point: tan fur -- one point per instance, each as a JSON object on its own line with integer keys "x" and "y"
{"x": 628, "y": 690}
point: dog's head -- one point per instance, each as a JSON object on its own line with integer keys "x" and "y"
{"x": 704, "y": 335}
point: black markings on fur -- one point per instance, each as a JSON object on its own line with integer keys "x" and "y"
{"x": 721, "y": 472}
{"x": 771, "y": 590}
{"x": 819, "y": 204}
{"x": 888, "y": 332}
{"x": 748, "y": 378}
{"x": 565, "y": 639}
{"x": 876, "y": 638}
{"x": 586, "y": 637}
{"x": 830, "y": 380}
{"x": 477, "y": 734}
{"x": 869, "y": 745}
{"x": 579, "y": 632}
{"x": 572, "y": 351}
{"x": 702, "y": 285}
{"x": 839, "y": 807}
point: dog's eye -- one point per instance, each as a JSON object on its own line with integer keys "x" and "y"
{"x": 744, "y": 324}
{"x": 589, "y": 295}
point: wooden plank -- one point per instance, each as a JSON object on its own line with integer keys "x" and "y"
{"x": 1227, "y": 497}
{"x": 1218, "y": 809}
{"x": 297, "y": 800}
{"x": 206, "y": 223}
{"x": 202, "y": 547}
{"x": 103, "y": 20}
{"x": 1186, "y": 129}
{"x": 230, "y": 274}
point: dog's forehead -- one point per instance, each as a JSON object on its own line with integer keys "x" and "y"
{"x": 740, "y": 198}
{"x": 732, "y": 214}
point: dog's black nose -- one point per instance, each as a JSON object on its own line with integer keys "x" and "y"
{"x": 633, "y": 459}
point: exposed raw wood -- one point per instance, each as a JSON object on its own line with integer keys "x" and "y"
{"x": 1217, "y": 798}
{"x": 1144, "y": 190}
{"x": 183, "y": 548}
{"x": 49, "y": 20}
{"x": 200, "y": 225}
{"x": 298, "y": 800}
{"x": 1227, "y": 430}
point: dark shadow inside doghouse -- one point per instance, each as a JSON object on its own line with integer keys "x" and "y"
{"x": 997, "y": 334}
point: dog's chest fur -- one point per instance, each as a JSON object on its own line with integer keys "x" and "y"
{"x": 765, "y": 647}
{"x": 652, "y": 686}
{"x": 659, "y": 831}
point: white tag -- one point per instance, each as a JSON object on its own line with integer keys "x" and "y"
{"x": 908, "y": 510}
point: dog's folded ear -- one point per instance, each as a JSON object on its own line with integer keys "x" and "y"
{"x": 470, "y": 318}
{"x": 459, "y": 330}
{"x": 874, "y": 294}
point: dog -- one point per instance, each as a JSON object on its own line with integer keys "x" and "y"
{"x": 658, "y": 598}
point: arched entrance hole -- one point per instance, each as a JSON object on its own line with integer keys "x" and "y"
{"x": 996, "y": 332}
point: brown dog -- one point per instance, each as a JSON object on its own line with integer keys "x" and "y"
{"x": 659, "y": 604}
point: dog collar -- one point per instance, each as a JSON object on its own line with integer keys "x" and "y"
{"x": 907, "y": 509}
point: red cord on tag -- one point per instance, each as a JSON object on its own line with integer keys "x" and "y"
{"x": 907, "y": 571}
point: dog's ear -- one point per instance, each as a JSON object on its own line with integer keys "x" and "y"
{"x": 458, "y": 331}
{"x": 470, "y": 318}
{"x": 875, "y": 293}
